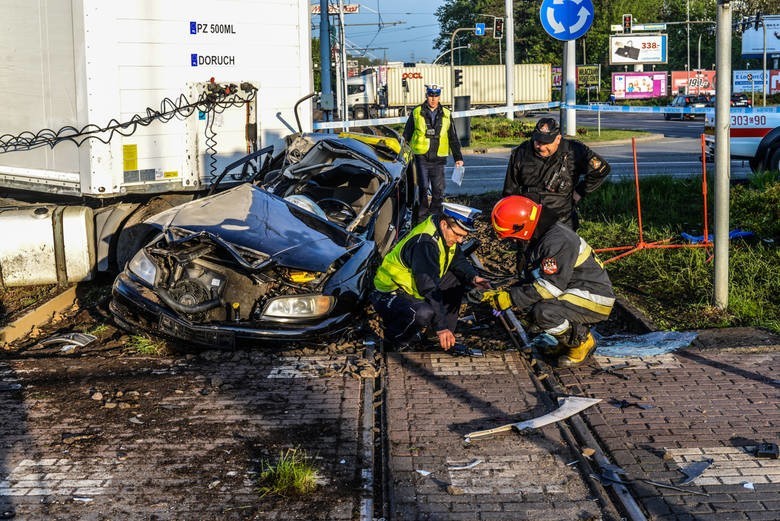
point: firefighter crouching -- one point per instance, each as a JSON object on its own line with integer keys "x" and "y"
{"x": 563, "y": 288}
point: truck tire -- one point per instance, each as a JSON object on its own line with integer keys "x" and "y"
{"x": 134, "y": 233}
{"x": 359, "y": 112}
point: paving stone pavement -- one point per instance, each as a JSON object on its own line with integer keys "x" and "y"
{"x": 433, "y": 399}
{"x": 66, "y": 453}
{"x": 685, "y": 407}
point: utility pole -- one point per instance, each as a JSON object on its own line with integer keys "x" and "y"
{"x": 765, "y": 74}
{"x": 509, "y": 33}
{"x": 722, "y": 153}
{"x": 688, "y": 32}
{"x": 344, "y": 100}
{"x": 326, "y": 96}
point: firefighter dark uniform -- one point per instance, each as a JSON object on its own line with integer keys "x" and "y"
{"x": 422, "y": 281}
{"x": 431, "y": 136}
{"x": 559, "y": 181}
{"x": 563, "y": 287}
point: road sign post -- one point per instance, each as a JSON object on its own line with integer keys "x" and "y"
{"x": 567, "y": 20}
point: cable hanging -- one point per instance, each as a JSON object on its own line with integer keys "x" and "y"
{"x": 216, "y": 99}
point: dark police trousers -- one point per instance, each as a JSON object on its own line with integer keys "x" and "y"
{"x": 430, "y": 172}
{"x": 403, "y": 316}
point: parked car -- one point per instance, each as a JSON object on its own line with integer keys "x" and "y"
{"x": 287, "y": 256}
{"x": 737, "y": 100}
{"x": 685, "y": 101}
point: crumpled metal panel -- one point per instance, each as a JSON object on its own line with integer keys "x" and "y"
{"x": 250, "y": 217}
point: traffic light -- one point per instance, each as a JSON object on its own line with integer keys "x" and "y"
{"x": 627, "y": 21}
{"x": 498, "y": 28}
{"x": 405, "y": 85}
{"x": 758, "y": 21}
{"x": 458, "y": 77}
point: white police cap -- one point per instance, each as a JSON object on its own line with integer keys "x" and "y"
{"x": 463, "y": 215}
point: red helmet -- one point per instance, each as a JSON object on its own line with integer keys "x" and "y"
{"x": 516, "y": 217}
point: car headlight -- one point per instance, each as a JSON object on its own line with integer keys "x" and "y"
{"x": 298, "y": 306}
{"x": 143, "y": 267}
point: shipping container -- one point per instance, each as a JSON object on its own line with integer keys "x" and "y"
{"x": 485, "y": 84}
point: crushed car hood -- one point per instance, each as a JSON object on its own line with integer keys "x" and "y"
{"x": 250, "y": 217}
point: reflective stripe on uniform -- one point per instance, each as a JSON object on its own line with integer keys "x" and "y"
{"x": 585, "y": 252}
{"x": 545, "y": 289}
{"x": 585, "y": 299}
{"x": 557, "y": 330}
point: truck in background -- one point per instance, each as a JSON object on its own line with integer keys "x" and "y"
{"x": 754, "y": 136}
{"x": 116, "y": 111}
{"x": 484, "y": 84}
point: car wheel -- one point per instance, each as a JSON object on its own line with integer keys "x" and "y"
{"x": 774, "y": 159}
{"x": 667, "y": 117}
{"x": 360, "y": 113}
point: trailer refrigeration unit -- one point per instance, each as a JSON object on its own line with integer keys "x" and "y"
{"x": 484, "y": 84}
{"x": 114, "y": 111}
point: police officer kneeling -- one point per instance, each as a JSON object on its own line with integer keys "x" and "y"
{"x": 423, "y": 279}
{"x": 563, "y": 287}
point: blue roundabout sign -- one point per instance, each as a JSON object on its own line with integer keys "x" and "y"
{"x": 566, "y": 19}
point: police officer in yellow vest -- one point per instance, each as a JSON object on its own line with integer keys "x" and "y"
{"x": 431, "y": 134}
{"x": 421, "y": 282}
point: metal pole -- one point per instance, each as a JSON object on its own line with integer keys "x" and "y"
{"x": 722, "y": 154}
{"x": 326, "y": 96}
{"x": 452, "y": 61}
{"x": 698, "y": 60}
{"x": 688, "y": 31}
{"x": 764, "y": 75}
{"x": 570, "y": 75}
{"x": 509, "y": 33}
{"x": 344, "y": 97}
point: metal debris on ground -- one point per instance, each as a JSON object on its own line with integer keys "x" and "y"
{"x": 767, "y": 450}
{"x": 424, "y": 472}
{"x": 70, "y": 341}
{"x": 607, "y": 479}
{"x": 624, "y": 404}
{"x": 567, "y": 406}
{"x": 463, "y": 350}
{"x": 470, "y": 465}
{"x": 613, "y": 370}
{"x": 694, "y": 470}
{"x": 748, "y": 485}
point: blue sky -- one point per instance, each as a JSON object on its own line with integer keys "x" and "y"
{"x": 411, "y": 40}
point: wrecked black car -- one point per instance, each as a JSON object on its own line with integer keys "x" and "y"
{"x": 288, "y": 255}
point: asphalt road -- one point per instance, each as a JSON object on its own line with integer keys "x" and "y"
{"x": 674, "y": 150}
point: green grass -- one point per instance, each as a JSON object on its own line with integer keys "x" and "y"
{"x": 291, "y": 474}
{"x": 675, "y": 286}
{"x": 145, "y": 345}
{"x": 97, "y": 330}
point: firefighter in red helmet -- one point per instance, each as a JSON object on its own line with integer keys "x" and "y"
{"x": 563, "y": 288}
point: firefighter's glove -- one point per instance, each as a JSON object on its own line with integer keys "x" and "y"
{"x": 498, "y": 298}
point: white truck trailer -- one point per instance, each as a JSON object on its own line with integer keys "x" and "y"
{"x": 484, "y": 84}
{"x": 116, "y": 110}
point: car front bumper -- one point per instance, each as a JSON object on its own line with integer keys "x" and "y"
{"x": 136, "y": 307}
